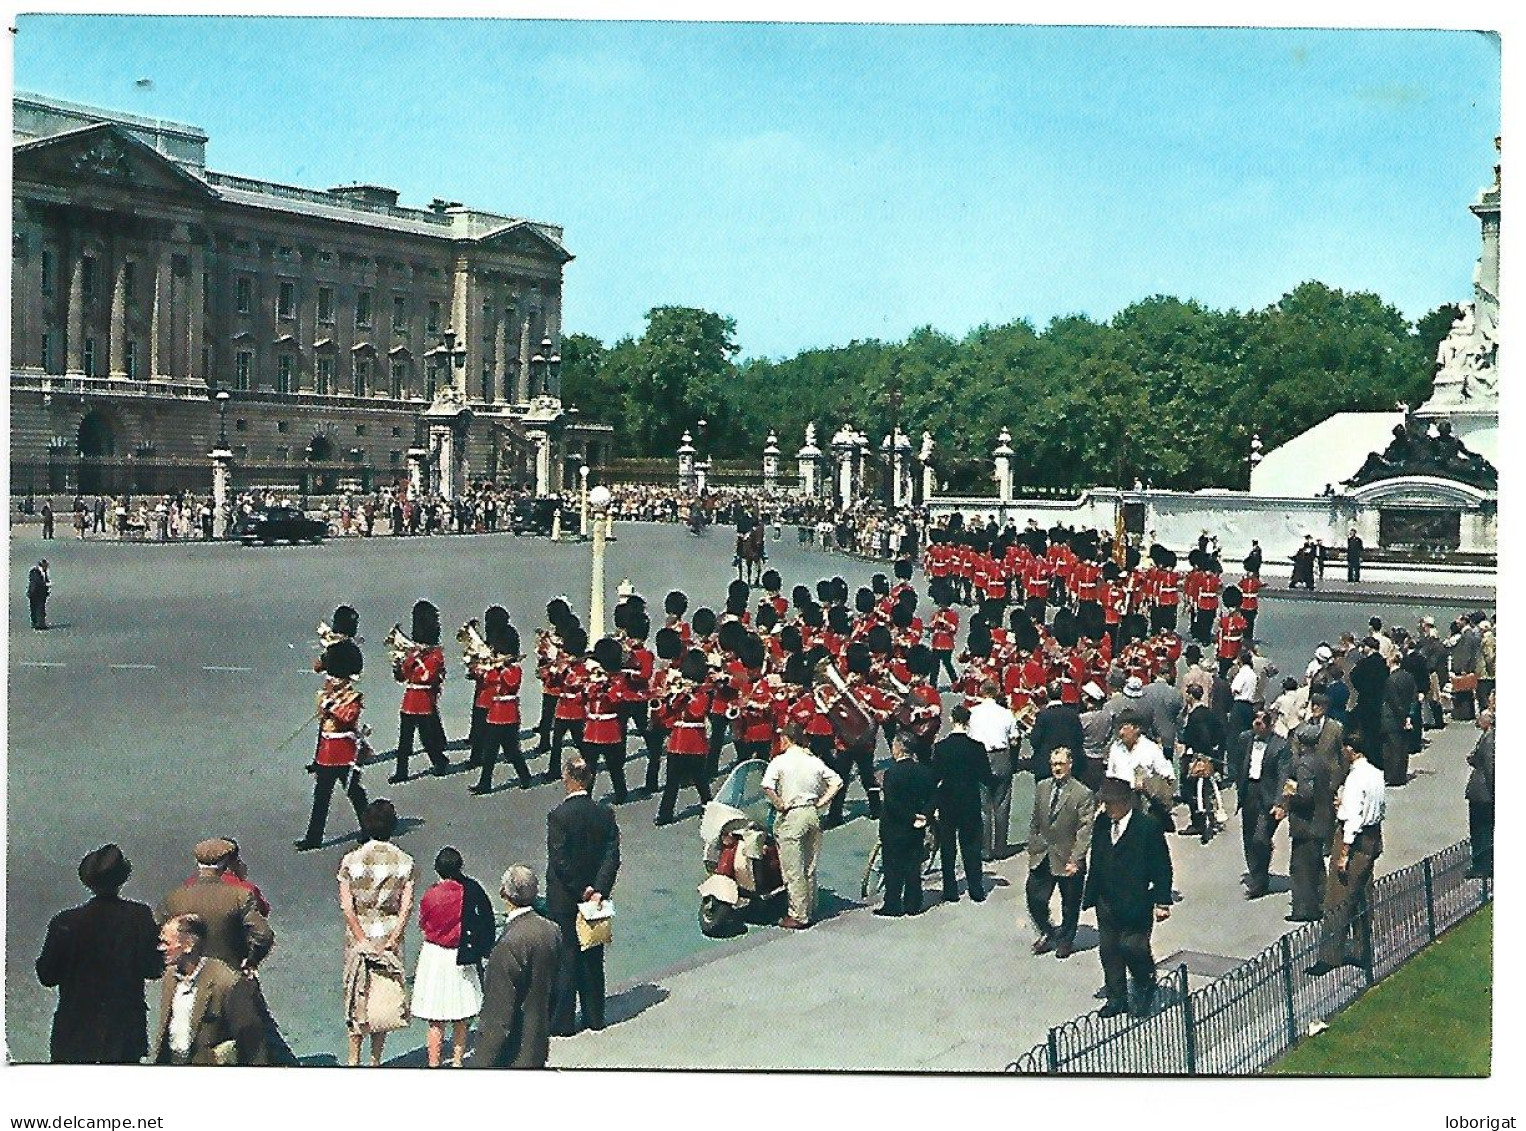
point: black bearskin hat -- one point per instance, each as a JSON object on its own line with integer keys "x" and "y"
{"x": 800, "y": 596}
{"x": 1089, "y": 621}
{"x": 1196, "y": 558}
{"x": 979, "y": 642}
{"x": 426, "y": 624}
{"x": 789, "y": 638}
{"x": 1232, "y": 597}
{"x": 496, "y": 614}
{"x": 1158, "y": 553}
{"x": 903, "y": 569}
{"x": 838, "y": 620}
{"x": 991, "y": 610}
{"x": 816, "y": 655}
{"x": 921, "y": 660}
{"x": 1212, "y": 565}
{"x": 736, "y": 604}
{"x": 1110, "y": 570}
{"x": 1134, "y": 626}
{"x": 797, "y": 670}
{"x": 676, "y": 603}
{"x": 1168, "y": 559}
{"x": 860, "y": 662}
{"x": 496, "y": 634}
{"x": 738, "y": 588}
{"x": 880, "y": 584}
{"x": 703, "y": 621}
{"x": 1066, "y": 631}
{"x": 342, "y": 659}
{"x": 767, "y": 617}
{"x": 622, "y": 615}
{"x": 638, "y": 625}
{"x": 772, "y": 582}
{"x": 608, "y": 654}
{"x": 942, "y": 592}
{"x": 694, "y": 666}
{"x": 1025, "y": 635}
{"x": 901, "y": 614}
{"x": 750, "y": 651}
{"x": 558, "y": 611}
{"x": 731, "y": 634}
{"x": 812, "y": 616}
{"x": 575, "y": 639}
{"x": 863, "y": 600}
{"x": 824, "y": 591}
{"x": 1131, "y": 558}
{"x": 878, "y": 639}
{"x": 839, "y": 590}
{"x": 669, "y": 644}
{"x": 346, "y": 621}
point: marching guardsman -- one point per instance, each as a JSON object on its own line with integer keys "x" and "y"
{"x": 839, "y": 628}
{"x": 769, "y": 632}
{"x": 495, "y": 616}
{"x": 339, "y": 733}
{"x": 640, "y": 666}
{"x": 674, "y": 606}
{"x": 1250, "y": 601}
{"x": 812, "y": 626}
{"x": 756, "y": 715}
{"x": 1114, "y": 600}
{"x": 670, "y": 650}
{"x": 719, "y": 646}
{"x": 1037, "y": 575}
{"x": 1229, "y": 633}
{"x": 346, "y": 626}
{"x": 687, "y": 708}
{"x": 799, "y": 598}
{"x": 603, "y": 736}
{"x": 887, "y": 672}
{"x": 975, "y": 662}
{"x": 421, "y": 671}
{"x": 548, "y": 645}
{"x": 738, "y": 593}
{"x": 945, "y": 628}
{"x": 905, "y": 626}
{"x": 921, "y": 715}
{"x": 904, "y": 568}
{"x": 502, "y": 676}
{"x": 566, "y": 676}
{"x": 1167, "y": 591}
{"x": 876, "y": 706}
{"x": 771, "y": 586}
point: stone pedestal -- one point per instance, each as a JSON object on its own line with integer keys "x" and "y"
{"x": 418, "y": 473}
{"x": 686, "y": 464}
{"x": 542, "y": 442}
{"x": 809, "y": 460}
{"x": 771, "y": 464}
{"x": 222, "y": 480}
{"x": 1002, "y": 457}
{"x": 846, "y": 448}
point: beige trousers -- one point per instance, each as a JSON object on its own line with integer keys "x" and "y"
{"x": 799, "y": 835}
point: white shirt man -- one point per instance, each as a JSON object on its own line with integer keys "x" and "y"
{"x": 994, "y": 726}
{"x": 799, "y": 785}
{"x": 1133, "y": 753}
{"x": 1245, "y": 684}
{"x": 1363, "y": 801}
{"x": 1290, "y": 709}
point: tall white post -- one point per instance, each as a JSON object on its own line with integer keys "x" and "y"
{"x": 1003, "y": 458}
{"x": 598, "y": 500}
{"x": 222, "y": 475}
{"x": 771, "y": 464}
{"x": 809, "y": 461}
{"x": 583, "y": 501}
{"x": 686, "y": 463}
{"x": 418, "y": 479}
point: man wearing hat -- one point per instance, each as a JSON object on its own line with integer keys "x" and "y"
{"x": 1128, "y": 881}
{"x": 237, "y": 933}
{"x": 99, "y": 955}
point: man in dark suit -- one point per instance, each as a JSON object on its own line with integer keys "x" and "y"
{"x": 582, "y": 857}
{"x": 1308, "y": 804}
{"x": 99, "y": 955}
{"x": 1059, "y": 838}
{"x": 1369, "y": 679}
{"x": 1128, "y": 881}
{"x": 38, "y": 585}
{"x": 1479, "y": 794}
{"x": 514, "y": 1027}
{"x": 961, "y": 767}
{"x": 908, "y": 789}
{"x": 1264, "y": 762}
{"x": 1057, "y": 725}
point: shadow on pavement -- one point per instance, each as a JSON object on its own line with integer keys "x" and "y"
{"x": 633, "y": 1002}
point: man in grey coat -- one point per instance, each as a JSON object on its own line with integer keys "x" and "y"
{"x": 1059, "y": 838}
{"x": 1264, "y": 762}
{"x": 1161, "y": 704}
{"x": 1308, "y": 805}
{"x": 514, "y": 1027}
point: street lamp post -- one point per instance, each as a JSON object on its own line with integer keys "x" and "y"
{"x": 222, "y": 418}
{"x": 598, "y": 501}
{"x": 583, "y": 501}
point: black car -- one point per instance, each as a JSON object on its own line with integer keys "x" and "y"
{"x": 280, "y": 524}
{"x": 534, "y": 515}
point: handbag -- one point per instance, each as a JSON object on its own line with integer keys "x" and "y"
{"x": 598, "y": 931}
{"x": 386, "y": 1003}
{"x": 1467, "y": 682}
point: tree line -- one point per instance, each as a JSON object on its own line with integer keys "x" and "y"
{"x": 1168, "y": 391}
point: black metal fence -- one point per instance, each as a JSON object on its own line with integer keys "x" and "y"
{"x": 1240, "y": 1023}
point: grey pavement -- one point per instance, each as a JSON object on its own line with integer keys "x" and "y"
{"x": 153, "y": 716}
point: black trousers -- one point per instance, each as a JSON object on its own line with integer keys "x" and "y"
{"x": 324, "y": 780}
{"x": 1256, "y": 832}
{"x": 844, "y": 762}
{"x": 1124, "y": 950}
{"x": 1353, "y": 569}
{"x": 718, "y": 728}
{"x": 964, "y": 831}
{"x": 500, "y": 740}
{"x": 431, "y": 736}
{"x": 683, "y": 769}
{"x": 1481, "y": 833}
{"x": 750, "y": 751}
{"x": 474, "y": 735}
{"x": 1040, "y": 889}
{"x": 544, "y": 726}
{"x": 656, "y": 741}
{"x": 560, "y": 729}
{"x": 580, "y": 980}
{"x": 901, "y": 863}
{"x": 946, "y": 663}
{"x": 1250, "y": 622}
{"x": 1306, "y": 872}
{"x": 612, "y": 754}
{"x": 39, "y": 611}
{"x": 1202, "y": 625}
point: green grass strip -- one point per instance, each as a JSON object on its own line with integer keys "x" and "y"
{"x": 1431, "y": 1017}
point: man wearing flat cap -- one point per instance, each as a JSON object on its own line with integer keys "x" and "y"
{"x": 237, "y": 934}
{"x": 99, "y": 955}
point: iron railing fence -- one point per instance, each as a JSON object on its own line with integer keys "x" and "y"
{"x": 1240, "y": 1023}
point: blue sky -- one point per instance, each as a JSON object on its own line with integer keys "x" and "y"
{"x": 825, "y": 183}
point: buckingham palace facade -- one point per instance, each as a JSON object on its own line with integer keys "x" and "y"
{"x": 354, "y": 337}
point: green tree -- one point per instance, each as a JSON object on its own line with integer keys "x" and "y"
{"x": 678, "y": 372}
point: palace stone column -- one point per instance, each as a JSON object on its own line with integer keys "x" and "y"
{"x": 810, "y": 457}
{"x": 686, "y": 463}
{"x": 771, "y": 464}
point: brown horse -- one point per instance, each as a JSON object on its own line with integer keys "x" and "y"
{"x": 750, "y": 554}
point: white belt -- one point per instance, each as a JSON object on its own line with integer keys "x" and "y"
{"x": 420, "y": 686}
{"x": 506, "y": 699}
{"x": 685, "y": 723}
{"x": 336, "y": 734}
{"x": 611, "y": 716}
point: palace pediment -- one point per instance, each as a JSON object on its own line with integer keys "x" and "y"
{"x": 523, "y": 238}
{"x": 106, "y": 155}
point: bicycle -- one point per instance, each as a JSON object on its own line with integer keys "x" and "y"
{"x": 874, "y": 874}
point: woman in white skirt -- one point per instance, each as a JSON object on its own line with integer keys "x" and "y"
{"x": 443, "y": 989}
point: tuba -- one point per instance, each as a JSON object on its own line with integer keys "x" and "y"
{"x": 474, "y": 649}
{"x": 397, "y": 645}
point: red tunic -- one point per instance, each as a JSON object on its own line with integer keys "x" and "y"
{"x": 945, "y": 628}
{"x": 640, "y": 663}
{"x": 338, "y": 728}
{"x": 421, "y": 671}
{"x": 1168, "y": 588}
{"x": 1231, "y": 634}
{"x": 1250, "y": 586}
{"x": 689, "y": 737}
{"x": 601, "y": 710}
{"x": 568, "y": 681}
{"x": 1208, "y": 591}
{"x": 502, "y": 684}
{"x": 756, "y": 717}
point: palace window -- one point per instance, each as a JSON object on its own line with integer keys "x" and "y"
{"x": 286, "y": 300}
{"x": 243, "y": 361}
{"x": 286, "y": 373}
{"x": 362, "y": 378}
{"x": 326, "y": 305}
{"x": 325, "y": 375}
{"x": 363, "y": 309}
{"x": 432, "y": 322}
{"x": 89, "y": 357}
{"x": 243, "y": 294}
{"x": 399, "y": 378}
{"x": 130, "y": 360}
{"x": 399, "y": 314}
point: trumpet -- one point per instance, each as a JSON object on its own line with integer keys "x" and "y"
{"x": 474, "y": 649}
{"x": 397, "y": 645}
{"x": 327, "y": 636}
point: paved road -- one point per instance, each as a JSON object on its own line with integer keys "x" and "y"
{"x": 152, "y": 714}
